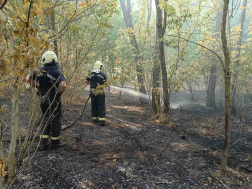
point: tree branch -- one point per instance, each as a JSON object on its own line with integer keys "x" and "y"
{"x": 28, "y": 20}
{"x": 204, "y": 48}
{"x": 72, "y": 19}
{"x": 2, "y": 6}
{"x": 82, "y": 60}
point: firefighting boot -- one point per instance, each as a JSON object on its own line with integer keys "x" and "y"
{"x": 102, "y": 123}
{"x": 57, "y": 143}
{"x": 43, "y": 143}
{"x": 95, "y": 119}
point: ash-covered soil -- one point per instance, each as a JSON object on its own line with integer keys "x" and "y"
{"x": 136, "y": 151}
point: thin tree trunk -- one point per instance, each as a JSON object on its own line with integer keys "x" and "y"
{"x": 227, "y": 88}
{"x": 189, "y": 84}
{"x": 1, "y": 152}
{"x": 149, "y": 15}
{"x": 161, "y": 27}
{"x": 155, "y": 81}
{"x": 1, "y": 143}
{"x": 237, "y": 61}
{"x": 2, "y": 66}
{"x": 155, "y": 72}
{"x": 55, "y": 43}
{"x": 210, "y": 100}
{"x": 133, "y": 41}
{"x": 14, "y": 134}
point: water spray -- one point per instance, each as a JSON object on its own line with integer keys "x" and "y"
{"x": 130, "y": 91}
{"x": 138, "y": 94}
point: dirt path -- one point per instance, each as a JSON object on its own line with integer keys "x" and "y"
{"x": 135, "y": 151}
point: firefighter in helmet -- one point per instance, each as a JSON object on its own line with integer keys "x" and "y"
{"x": 97, "y": 80}
{"x": 50, "y": 82}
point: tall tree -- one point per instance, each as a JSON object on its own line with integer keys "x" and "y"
{"x": 227, "y": 76}
{"x": 160, "y": 29}
{"x": 127, "y": 13}
{"x": 210, "y": 100}
{"x": 55, "y": 43}
{"x": 149, "y": 14}
{"x": 155, "y": 72}
{"x": 155, "y": 80}
{"x": 14, "y": 135}
{"x": 237, "y": 61}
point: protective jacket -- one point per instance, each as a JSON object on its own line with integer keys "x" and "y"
{"x": 49, "y": 78}
{"x": 97, "y": 79}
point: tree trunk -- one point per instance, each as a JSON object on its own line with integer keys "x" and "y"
{"x": 14, "y": 134}
{"x": 160, "y": 34}
{"x": 189, "y": 84}
{"x": 149, "y": 15}
{"x": 155, "y": 72}
{"x": 1, "y": 143}
{"x": 210, "y": 100}
{"x": 237, "y": 61}
{"x": 1, "y": 153}
{"x": 227, "y": 88}
{"x": 2, "y": 66}
{"x": 139, "y": 70}
{"x": 55, "y": 43}
{"x": 155, "y": 81}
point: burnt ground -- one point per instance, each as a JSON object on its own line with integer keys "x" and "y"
{"x": 135, "y": 150}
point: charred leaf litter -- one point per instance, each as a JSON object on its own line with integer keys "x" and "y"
{"x": 135, "y": 151}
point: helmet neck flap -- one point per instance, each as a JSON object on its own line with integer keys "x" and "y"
{"x": 51, "y": 66}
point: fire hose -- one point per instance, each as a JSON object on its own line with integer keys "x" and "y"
{"x": 67, "y": 127}
{"x": 71, "y": 124}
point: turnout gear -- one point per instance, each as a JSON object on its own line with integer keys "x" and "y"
{"x": 49, "y": 78}
{"x": 51, "y": 111}
{"x": 43, "y": 142}
{"x": 98, "y": 81}
{"x": 56, "y": 142}
{"x": 98, "y": 108}
{"x": 49, "y": 81}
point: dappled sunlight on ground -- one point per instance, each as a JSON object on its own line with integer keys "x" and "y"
{"x": 130, "y": 108}
{"x": 180, "y": 146}
{"x": 126, "y": 124}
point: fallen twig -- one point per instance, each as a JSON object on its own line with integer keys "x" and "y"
{"x": 156, "y": 182}
{"x": 234, "y": 143}
{"x": 222, "y": 183}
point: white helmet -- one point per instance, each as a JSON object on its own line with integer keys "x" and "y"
{"x": 49, "y": 57}
{"x": 98, "y": 65}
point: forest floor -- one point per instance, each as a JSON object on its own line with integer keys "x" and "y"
{"x": 136, "y": 151}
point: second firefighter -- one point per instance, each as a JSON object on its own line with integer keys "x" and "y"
{"x": 97, "y": 80}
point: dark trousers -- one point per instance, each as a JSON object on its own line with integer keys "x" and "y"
{"x": 98, "y": 107}
{"x": 51, "y": 110}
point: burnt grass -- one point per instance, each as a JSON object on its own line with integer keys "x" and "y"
{"x": 137, "y": 150}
